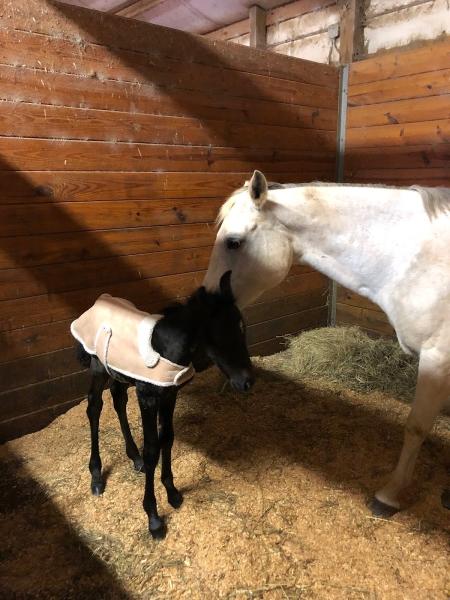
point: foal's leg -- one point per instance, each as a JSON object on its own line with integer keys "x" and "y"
{"x": 120, "y": 400}
{"x": 445, "y": 498}
{"x": 166, "y": 436}
{"x": 94, "y": 408}
{"x": 148, "y": 404}
{"x": 433, "y": 387}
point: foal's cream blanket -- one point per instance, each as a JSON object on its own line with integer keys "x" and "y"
{"x": 120, "y": 336}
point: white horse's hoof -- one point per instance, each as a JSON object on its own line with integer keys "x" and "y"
{"x": 445, "y": 498}
{"x": 381, "y": 510}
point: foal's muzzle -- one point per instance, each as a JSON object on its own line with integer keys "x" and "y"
{"x": 242, "y": 381}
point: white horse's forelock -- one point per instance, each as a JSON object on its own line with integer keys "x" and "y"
{"x": 228, "y": 205}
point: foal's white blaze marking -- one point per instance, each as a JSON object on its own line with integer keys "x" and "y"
{"x": 389, "y": 244}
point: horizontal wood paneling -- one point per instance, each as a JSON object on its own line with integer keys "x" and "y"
{"x": 29, "y": 155}
{"x": 71, "y": 91}
{"x": 66, "y": 248}
{"x": 345, "y": 296}
{"x": 405, "y": 134}
{"x": 45, "y": 327}
{"x": 119, "y": 141}
{"x": 84, "y": 124}
{"x": 23, "y": 219}
{"x": 286, "y": 324}
{"x": 416, "y": 110}
{"x": 74, "y": 23}
{"x": 402, "y": 63}
{"x": 398, "y": 133}
{"x": 44, "y": 394}
{"x": 36, "y": 369}
{"x": 432, "y": 83}
{"x": 37, "y": 419}
{"x": 93, "y": 61}
{"x": 372, "y": 320}
{"x": 63, "y": 277}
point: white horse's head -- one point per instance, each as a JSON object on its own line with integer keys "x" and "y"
{"x": 250, "y": 242}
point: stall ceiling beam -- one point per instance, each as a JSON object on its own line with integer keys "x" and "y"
{"x": 351, "y": 30}
{"x": 134, "y": 8}
{"x": 257, "y": 17}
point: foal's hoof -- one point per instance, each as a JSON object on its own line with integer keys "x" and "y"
{"x": 97, "y": 488}
{"x": 158, "y": 531}
{"x": 175, "y": 499}
{"x": 139, "y": 465}
{"x": 381, "y": 510}
{"x": 445, "y": 498}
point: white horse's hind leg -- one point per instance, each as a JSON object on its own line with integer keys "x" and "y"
{"x": 433, "y": 387}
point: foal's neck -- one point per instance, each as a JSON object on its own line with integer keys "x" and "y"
{"x": 176, "y": 335}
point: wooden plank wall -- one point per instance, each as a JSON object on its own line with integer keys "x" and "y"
{"x": 119, "y": 140}
{"x": 398, "y": 132}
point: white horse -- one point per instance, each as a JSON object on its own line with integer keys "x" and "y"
{"x": 391, "y": 245}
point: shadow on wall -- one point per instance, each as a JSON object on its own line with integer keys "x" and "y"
{"x": 40, "y": 296}
{"x": 54, "y": 210}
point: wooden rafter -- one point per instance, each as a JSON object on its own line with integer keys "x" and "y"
{"x": 134, "y": 8}
{"x": 257, "y": 17}
{"x": 352, "y": 13}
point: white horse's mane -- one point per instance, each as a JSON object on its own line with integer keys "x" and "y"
{"x": 436, "y": 200}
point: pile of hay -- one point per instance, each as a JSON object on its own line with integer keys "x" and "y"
{"x": 347, "y": 357}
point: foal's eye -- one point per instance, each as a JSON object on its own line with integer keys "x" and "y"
{"x": 233, "y": 243}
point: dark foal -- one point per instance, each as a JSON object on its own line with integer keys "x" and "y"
{"x": 207, "y": 329}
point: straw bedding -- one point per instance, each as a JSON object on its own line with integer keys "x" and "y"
{"x": 275, "y": 484}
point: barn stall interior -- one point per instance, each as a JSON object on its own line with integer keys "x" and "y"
{"x": 119, "y": 141}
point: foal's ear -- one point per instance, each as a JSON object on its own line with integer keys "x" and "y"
{"x": 258, "y": 189}
{"x": 225, "y": 286}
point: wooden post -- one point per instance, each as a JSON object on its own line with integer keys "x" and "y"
{"x": 352, "y": 14}
{"x": 257, "y": 26}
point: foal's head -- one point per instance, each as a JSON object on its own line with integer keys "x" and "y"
{"x": 251, "y": 242}
{"x": 222, "y": 335}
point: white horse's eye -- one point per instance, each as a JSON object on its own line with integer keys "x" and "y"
{"x": 233, "y": 243}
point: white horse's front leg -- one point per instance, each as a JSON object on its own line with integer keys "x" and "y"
{"x": 432, "y": 391}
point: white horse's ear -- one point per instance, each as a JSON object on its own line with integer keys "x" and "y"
{"x": 258, "y": 189}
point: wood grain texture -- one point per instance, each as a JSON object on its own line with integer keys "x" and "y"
{"x": 402, "y": 62}
{"x": 286, "y": 324}
{"x": 34, "y": 421}
{"x": 374, "y": 320}
{"x": 425, "y": 156}
{"x": 50, "y": 249}
{"x": 432, "y": 83}
{"x": 398, "y": 133}
{"x": 50, "y": 155}
{"x": 119, "y": 64}
{"x": 63, "y": 277}
{"x": 52, "y": 122}
{"x": 119, "y": 34}
{"x": 407, "y": 134}
{"x": 414, "y": 110}
{"x": 22, "y": 219}
{"x": 119, "y": 141}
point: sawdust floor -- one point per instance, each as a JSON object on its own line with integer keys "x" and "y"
{"x": 275, "y": 483}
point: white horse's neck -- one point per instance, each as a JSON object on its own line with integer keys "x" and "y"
{"x": 361, "y": 237}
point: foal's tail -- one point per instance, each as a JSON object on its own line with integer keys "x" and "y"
{"x": 83, "y": 357}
